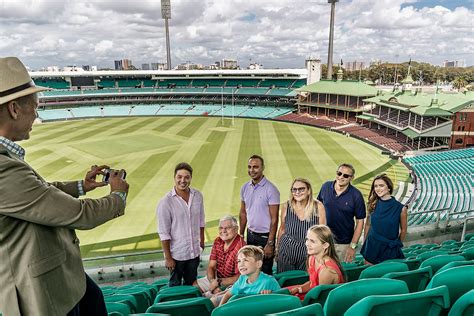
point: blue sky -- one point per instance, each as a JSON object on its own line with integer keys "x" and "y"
{"x": 274, "y": 33}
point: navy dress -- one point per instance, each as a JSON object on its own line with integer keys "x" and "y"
{"x": 382, "y": 242}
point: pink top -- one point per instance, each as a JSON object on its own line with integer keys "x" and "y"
{"x": 314, "y": 272}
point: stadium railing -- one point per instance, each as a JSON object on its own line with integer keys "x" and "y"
{"x": 466, "y": 220}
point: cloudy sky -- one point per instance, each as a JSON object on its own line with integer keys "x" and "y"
{"x": 275, "y": 33}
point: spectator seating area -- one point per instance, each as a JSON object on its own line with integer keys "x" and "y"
{"x": 161, "y": 109}
{"x": 434, "y": 279}
{"x": 307, "y": 119}
{"x": 179, "y": 83}
{"x": 444, "y": 182}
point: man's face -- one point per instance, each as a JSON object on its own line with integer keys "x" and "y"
{"x": 26, "y": 116}
{"x": 182, "y": 180}
{"x": 344, "y": 176}
{"x": 227, "y": 232}
{"x": 255, "y": 169}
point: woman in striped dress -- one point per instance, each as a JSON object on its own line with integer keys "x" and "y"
{"x": 298, "y": 214}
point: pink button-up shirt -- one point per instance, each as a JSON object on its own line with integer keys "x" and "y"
{"x": 180, "y": 223}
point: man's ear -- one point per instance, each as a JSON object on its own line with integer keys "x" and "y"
{"x": 13, "y": 109}
{"x": 259, "y": 264}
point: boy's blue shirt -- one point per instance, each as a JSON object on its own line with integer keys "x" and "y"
{"x": 263, "y": 282}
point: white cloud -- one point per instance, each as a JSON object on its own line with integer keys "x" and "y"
{"x": 275, "y": 33}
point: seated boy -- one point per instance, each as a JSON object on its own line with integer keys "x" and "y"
{"x": 251, "y": 280}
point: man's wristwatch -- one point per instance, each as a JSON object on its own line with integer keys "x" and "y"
{"x": 353, "y": 245}
{"x": 271, "y": 243}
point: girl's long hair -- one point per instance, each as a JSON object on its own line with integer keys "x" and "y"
{"x": 311, "y": 207}
{"x": 373, "y": 197}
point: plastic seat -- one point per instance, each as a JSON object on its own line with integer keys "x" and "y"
{"x": 464, "y": 306}
{"x": 353, "y": 273}
{"x": 277, "y": 276}
{"x": 426, "y": 255}
{"x": 468, "y": 253}
{"x": 284, "y": 291}
{"x": 292, "y": 280}
{"x": 201, "y": 306}
{"x": 257, "y": 305}
{"x": 177, "y": 293}
{"x": 310, "y": 310}
{"x": 456, "y": 264}
{"x": 142, "y": 296}
{"x": 160, "y": 283}
{"x": 319, "y": 294}
{"x": 378, "y": 270}
{"x": 437, "y": 262}
{"x": 341, "y": 298}
{"x": 469, "y": 236}
{"x": 412, "y": 262}
{"x": 113, "y": 307}
{"x": 459, "y": 281}
{"x": 429, "y": 302}
{"x": 416, "y": 280}
{"x": 130, "y": 300}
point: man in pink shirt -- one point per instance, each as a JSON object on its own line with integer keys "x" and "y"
{"x": 180, "y": 216}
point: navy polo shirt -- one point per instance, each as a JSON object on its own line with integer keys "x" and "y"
{"x": 341, "y": 210}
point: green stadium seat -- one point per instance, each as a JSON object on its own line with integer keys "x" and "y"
{"x": 341, "y": 298}
{"x": 177, "y": 293}
{"x": 129, "y": 300}
{"x": 319, "y": 294}
{"x": 290, "y": 273}
{"x": 456, "y": 264}
{"x": 464, "y": 306}
{"x": 108, "y": 291}
{"x": 469, "y": 236}
{"x": 201, "y": 306}
{"x": 159, "y": 284}
{"x": 353, "y": 273}
{"x": 437, "y": 262}
{"x": 430, "y": 246}
{"x": 425, "y": 255}
{"x": 429, "y": 302}
{"x": 468, "y": 254}
{"x": 310, "y": 310}
{"x": 284, "y": 291}
{"x": 142, "y": 295}
{"x": 292, "y": 280}
{"x": 412, "y": 263}
{"x": 118, "y": 308}
{"x": 257, "y": 305}
{"x": 459, "y": 281}
{"x": 378, "y": 270}
{"x": 448, "y": 242}
{"x": 416, "y": 280}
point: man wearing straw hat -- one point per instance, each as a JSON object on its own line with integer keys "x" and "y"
{"x": 41, "y": 271}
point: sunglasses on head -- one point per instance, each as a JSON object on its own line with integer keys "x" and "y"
{"x": 345, "y": 175}
{"x": 299, "y": 190}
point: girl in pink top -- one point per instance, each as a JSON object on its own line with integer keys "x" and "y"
{"x": 323, "y": 263}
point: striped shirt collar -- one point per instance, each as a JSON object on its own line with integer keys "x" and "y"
{"x": 13, "y": 147}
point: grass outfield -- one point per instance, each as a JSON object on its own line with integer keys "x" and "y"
{"x": 149, "y": 148}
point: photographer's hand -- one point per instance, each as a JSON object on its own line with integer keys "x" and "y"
{"x": 116, "y": 182}
{"x": 90, "y": 182}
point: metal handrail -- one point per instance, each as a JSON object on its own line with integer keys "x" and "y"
{"x": 467, "y": 219}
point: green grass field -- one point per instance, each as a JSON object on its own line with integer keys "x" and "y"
{"x": 149, "y": 148}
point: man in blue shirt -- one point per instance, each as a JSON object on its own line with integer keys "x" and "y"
{"x": 343, "y": 202}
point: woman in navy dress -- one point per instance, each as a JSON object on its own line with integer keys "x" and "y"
{"x": 386, "y": 223}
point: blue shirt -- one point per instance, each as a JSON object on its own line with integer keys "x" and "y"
{"x": 341, "y": 210}
{"x": 263, "y": 282}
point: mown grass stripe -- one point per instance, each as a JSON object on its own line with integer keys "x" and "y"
{"x": 104, "y": 127}
{"x": 32, "y": 156}
{"x": 73, "y": 127}
{"x": 205, "y": 157}
{"x": 42, "y": 128}
{"x": 167, "y": 125}
{"x": 55, "y": 165}
{"x": 249, "y": 145}
{"x": 295, "y": 155}
{"x": 141, "y": 124}
{"x": 192, "y": 127}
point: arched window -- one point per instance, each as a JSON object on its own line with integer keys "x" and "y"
{"x": 458, "y": 141}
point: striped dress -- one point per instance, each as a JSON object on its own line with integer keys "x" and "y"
{"x": 292, "y": 252}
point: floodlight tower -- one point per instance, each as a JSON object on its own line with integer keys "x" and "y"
{"x": 166, "y": 15}
{"x": 331, "y": 37}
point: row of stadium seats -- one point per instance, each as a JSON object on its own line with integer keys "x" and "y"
{"x": 132, "y": 83}
{"x": 428, "y": 282}
{"x": 179, "y": 90}
{"x": 159, "y": 109}
{"x": 444, "y": 182}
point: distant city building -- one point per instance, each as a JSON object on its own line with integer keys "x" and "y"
{"x": 254, "y": 66}
{"x": 211, "y": 67}
{"x": 158, "y": 66}
{"x": 124, "y": 64}
{"x": 229, "y": 64}
{"x": 89, "y": 68}
{"x": 145, "y": 66}
{"x": 189, "y": 66}
{"x": 218, "y": 64}
{"x": 313, "y": 66}
{"x": 72, "y": 68}
{"x": 52, "y": 68}
{"x": 118, "y": 65}
{"x": 453, "y": 63}
{"x": 354, "y": 65}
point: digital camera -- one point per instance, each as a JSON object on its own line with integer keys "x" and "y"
{"x": 106, "y": 176}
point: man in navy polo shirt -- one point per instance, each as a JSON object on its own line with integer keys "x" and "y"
{"x": 343, "y": 202}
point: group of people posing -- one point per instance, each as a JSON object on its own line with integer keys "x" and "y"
{"x": 314, "y": 234}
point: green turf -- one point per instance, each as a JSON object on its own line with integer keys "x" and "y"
{"x": 149, "y": 148}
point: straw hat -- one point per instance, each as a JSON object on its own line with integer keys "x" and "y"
{"x": 15, "y": 81}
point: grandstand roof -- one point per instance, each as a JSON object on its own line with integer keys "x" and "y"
{"x": 422, "y": 103}
{"x": 341, "y": 87}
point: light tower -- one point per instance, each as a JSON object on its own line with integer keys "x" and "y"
{"x": 166, "y": 15}
{"x": 331, "y": 36}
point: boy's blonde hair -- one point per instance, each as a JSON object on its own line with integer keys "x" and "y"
{"x": 252, "y": 251}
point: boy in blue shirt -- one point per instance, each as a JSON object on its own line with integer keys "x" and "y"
{"x": 251, "y": 280}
